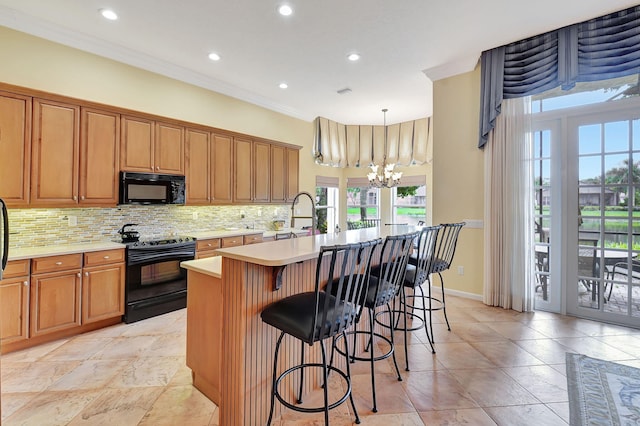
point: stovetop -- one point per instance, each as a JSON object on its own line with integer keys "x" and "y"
{"x": 160, "y": 241}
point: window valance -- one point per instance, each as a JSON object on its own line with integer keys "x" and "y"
{"x": 340, "y": 145}
{"x": 598, "y": 49}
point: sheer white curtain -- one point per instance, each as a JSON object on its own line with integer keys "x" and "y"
{"x": 509, "y": 267}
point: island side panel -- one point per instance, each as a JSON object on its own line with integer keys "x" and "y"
{"x": 204, "y": 332}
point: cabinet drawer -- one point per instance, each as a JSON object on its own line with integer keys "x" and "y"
{"x": 16, "y": 268}
{"x": 209, "y": 244}
{"x": 253, "y": 239}
{"x": 205, "y": 254}
{"x": 231, "y": 241}
{"x": 56, "y": 263}
{"x": 103, "y": 257}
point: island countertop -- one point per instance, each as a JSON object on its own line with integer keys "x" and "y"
{"x": 285, "y": 252}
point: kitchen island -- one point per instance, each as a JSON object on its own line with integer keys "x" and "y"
{"x": 229, "y": 349}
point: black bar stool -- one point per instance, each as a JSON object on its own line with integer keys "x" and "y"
{"x": 417, "y": 273}
{"x": 385, "y": 283}
{"x": 317, "y": 315}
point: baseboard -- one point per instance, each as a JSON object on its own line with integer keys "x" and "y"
{"x": 459, "y": 293}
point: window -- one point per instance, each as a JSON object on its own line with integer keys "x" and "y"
{"x": 409, "y": 201}
{"x": 326, "y": 203}
{"x": 362, "y": 201}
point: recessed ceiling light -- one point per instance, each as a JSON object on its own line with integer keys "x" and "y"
{"x": 283, "y": 85}
{"x": 214, "y": 56}
{"x": 285, "y": 10}
{"x": 109, "y": 14}
{"x": 353, "y": 57}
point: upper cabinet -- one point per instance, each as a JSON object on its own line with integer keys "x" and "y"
{"x": 278, "y": 174}
{"x": 293, "y": 172}
{"x": 261, "y": 172}
{"x": 55, "y": 153}
{"x": 99, "y": 148}
{"x": 197, "y": 166}
{"x": 243, "y": 170}
{"x": 15, "y": 148}
{"x": 221, "y": 169}
{"x": 152, "y": 147}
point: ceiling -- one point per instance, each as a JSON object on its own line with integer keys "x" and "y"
{"x": 404, "y": 45}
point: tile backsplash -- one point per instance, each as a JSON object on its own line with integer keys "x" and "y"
{"x": 40, "y": 227}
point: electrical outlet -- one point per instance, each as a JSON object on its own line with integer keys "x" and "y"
{"x": 73, "y": 220}
{"x": 259, "y": 212}
{"x": 195, "y": 215}
{"x": 460, "y": 270}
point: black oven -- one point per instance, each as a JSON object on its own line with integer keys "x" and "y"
{"x": 155, "y": 283}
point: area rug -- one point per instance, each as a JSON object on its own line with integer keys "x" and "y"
{"x": 602, "y": 392}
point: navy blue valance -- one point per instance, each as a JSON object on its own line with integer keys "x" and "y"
{"x": 598, "y": 49}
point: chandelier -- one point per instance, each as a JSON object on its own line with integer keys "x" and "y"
{"x": 387, "y": 178}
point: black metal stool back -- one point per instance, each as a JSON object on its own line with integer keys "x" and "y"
{"x": 386, "y": 281}
{"x": 317, "y": 315}
{"x": 447, "y": 243}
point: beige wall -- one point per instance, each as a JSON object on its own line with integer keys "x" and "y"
{"x": 458, "y": 173}
{"x": 454, "y": 180}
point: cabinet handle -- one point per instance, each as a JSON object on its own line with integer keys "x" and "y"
{"x": 78, "y": 275}
{"x": 106, "y": 257}
{"x": 208, "y": 244}
{"x": 75, "y": 198}
{"x": 25, "y": 283}
{"x": 59, "y": 263}
{"x": 86, "y": 274}
{"x": 82, "y": 198}
{"x": 157, "y": 167}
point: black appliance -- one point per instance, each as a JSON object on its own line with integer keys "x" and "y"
{"x": 5, "y": 235}
{"x": 155, "y": 282}
{"x": 151, "y": 188}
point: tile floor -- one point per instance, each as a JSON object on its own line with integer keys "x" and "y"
{"x": 494, "y": 367}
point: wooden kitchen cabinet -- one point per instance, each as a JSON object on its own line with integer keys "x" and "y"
{"x": 222, "y": 177}
{"x": 293, "y": 173}
{"x": 14, "y": 296}
{"x": 197, "y": 166}
{"x": 252, "y": 239}
{"x": 169, "y": 149}
{"x": 261, "y": 172}
{"x": 231, "y": 241}
{"x": 136, "y": 144}
{"x": 243, "y": 170}
{"x": 55, "y": 143}
{"x": 206, "y": 248}
{"x": 99, "y": 157}
{"x": 15, "y": 148}
{"x": 278, "y": 174}
{"x": 103, "y": 284}
{"x": 55, "y": 294}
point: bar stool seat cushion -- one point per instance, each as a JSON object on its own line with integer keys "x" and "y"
{"x": 410, "y": 280}
{"x": 294, "y": 315}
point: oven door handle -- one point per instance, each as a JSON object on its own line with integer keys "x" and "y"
{"x": 146, "y": 257}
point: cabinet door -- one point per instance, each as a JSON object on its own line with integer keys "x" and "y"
{"x": 102, "y": 292}
{"x": 99, "y": 162}
{"x": 293, "y": 173}
{"x": 136, "y": 145}
{"x": 55, "y": 302}
{"x": 55, "y": 153}
{"x": 243, "y": 170}
{"x": 15, "y": 148}
{"x": 169, "y": 149}
{"x": 221, "y": 169}
{"x": 261, "y": 172}
{"x": 278, "y": 174}
{"x": 197, "y": 166}
{"x": 14, "y": 312}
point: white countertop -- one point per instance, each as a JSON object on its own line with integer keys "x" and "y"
{"x": 204, "y": 235}
{"x": 209, "y": 266}
{"x": 285, "y": 252}
{"x": 59, "y": 249}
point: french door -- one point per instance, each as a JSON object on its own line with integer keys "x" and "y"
{"x": 587, "y": 200}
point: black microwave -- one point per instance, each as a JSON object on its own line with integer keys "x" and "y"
{"x": 151, "y": 188}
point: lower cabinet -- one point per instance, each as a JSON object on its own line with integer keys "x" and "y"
{"x": 55, "y": 296}
{"x": 14, "y": 296}
{"x": 102, "y": 292}
{"x": 55, "y": 302}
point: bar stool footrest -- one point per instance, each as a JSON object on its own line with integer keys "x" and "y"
{"x": 362, "y": 358}
{"x": 399, "y": 312}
